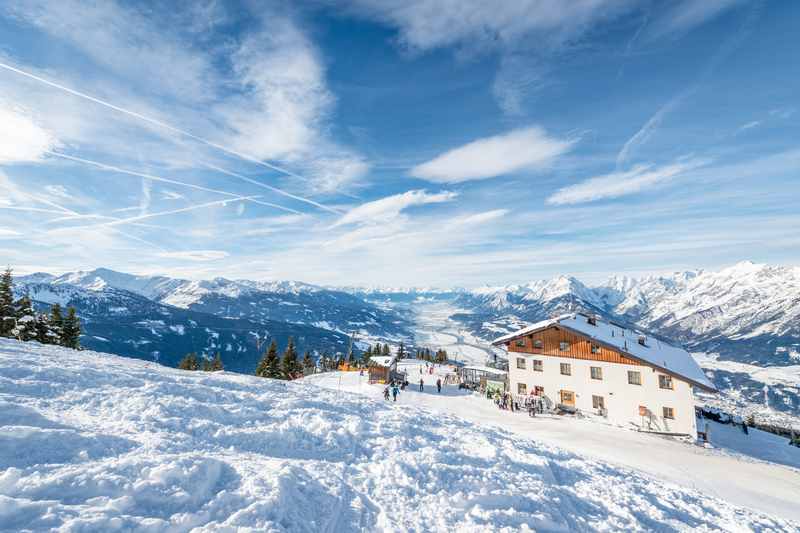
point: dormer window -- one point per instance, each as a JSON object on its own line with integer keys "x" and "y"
{"x": 642, "y": 340}
{"x": 520, "y": 343}
{"x": 592, "y": 321}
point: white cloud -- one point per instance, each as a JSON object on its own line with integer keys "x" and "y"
{"x": 522, "y": 149}
{"x": 619, "y": 184}
{"x": 748, "y": 126}
{"x": 6, "y": 233}
{"x": 479, "y": 218}
{"x": 687, "y": 14}
{"x": 390, "y": 207}
{"x": 195, "y": 255}
{"x": 21, "y": 139}
{"x": 58, "y": 190}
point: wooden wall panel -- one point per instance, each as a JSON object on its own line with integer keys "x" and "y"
{"x": 580, "y": 347}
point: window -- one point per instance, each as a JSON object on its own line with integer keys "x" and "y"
{"x": 521, "y": 363}
{"x": 537, "y": 365}
{"x": 634, "y": 378}
{"x": 595, "y": 348}
{"x": 520, "y": 343}
{"x": 537, "y": 343}
{"x": 598, "y": 402}
{"x": 566, "y": 369}
{"x": 522, "y": 388}
{"x": 596, "y": 372}
{"x": 669, "y": 412}
{"x": 563, "y": 346}
{"x": 642, "y": 340}
{"x": 592, "y": 321}
{"x": 664, "y": 381}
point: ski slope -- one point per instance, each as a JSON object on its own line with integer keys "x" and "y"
{"x": 96, "y": 442}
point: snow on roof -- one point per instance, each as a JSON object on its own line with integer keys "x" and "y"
{"x": 654, "y": 352}
{"x": 382, "y": 360}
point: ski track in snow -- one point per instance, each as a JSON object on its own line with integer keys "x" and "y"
{"x": 96, "y": 442}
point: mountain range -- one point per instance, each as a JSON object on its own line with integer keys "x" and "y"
{"x": 747, "y": 316}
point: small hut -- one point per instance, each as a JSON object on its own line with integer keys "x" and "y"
{"x": 476, "y": 377}
{"x": 382, "y": 369}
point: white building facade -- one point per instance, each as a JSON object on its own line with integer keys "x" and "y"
{"x": 597, "y": 367}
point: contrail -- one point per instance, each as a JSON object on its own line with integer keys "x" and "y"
{"x": 120, "y": 170}
{"x": 161, "y": 124}
{"x": 121, "y": 221}
{"x": 271, "y": 188}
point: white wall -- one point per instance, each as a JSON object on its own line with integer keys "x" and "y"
{"x": 622, "y": 400}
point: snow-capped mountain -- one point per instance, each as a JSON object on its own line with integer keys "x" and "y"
{"x": 124, "y": 322}
{"x": 258, "y": 301}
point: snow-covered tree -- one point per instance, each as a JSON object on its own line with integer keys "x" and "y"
{"x": 7, "y": 314}
{"x": 386, "y": 350}
{"x": 308, "y": 363}
{"x": 24, "y": 320}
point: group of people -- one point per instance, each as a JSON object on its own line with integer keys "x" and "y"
{"x": 393, "y": 388}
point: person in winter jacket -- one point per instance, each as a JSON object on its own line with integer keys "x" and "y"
{"x": 439, "y": 385}
{"x": 421, "y": 384}
{"x": 386, "y": 392}
{"x": 395, "y": 392}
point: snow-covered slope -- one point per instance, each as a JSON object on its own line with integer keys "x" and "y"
{"x": 91, "y": 441}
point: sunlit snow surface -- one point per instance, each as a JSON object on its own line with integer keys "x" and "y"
{"x": 91, "y": 441}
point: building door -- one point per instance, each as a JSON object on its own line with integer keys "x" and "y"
{"x": 568, "y": 398}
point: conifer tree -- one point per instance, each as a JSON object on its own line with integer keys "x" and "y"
{"x": 25, "y": 320}
{"x": 308, "y": 363}
{"x": 386, "y": 350}
{"x": 366, "y": 356}
{"x": 401, "y": 351}
{"x": 71, "y": 330}
{"x": 289, "y": 365}
{"x": 216, "y": 364}
{"x": 43, "y": 331}
{"x": 7, "y": 317}
{"x": 269, "y": 366}
{"x": 189, "y": 362}
{"x": 56, "y": 323}
{"x": 377, "y": 349}
{"x": 205, "y": 365}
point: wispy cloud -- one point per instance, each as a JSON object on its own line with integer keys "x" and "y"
{"x": 195, "y": 255}
{"x": 749, "y": 125}
{"x": 390, "y": 207}
{"x": 616, "y": 184}
{"x": 522, "y": 149}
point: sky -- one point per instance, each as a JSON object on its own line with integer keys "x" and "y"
{"x": 399, "y": 142}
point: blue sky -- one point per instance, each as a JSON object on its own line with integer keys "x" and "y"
{"x": 387, "y": 143}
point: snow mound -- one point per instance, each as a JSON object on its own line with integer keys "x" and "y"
{"x": 91, "y": 441}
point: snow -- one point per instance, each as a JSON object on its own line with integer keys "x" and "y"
{"x": 660, "y": 354}
{"x": 736, "y": 470}
{"x": 97, "y": 442}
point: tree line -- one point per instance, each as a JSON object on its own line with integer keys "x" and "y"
{"x": 19, "y": 320}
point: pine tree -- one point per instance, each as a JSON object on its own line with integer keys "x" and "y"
{"x": 189, "y": 362}
{"x": 71, "y": 330}
{"x": 386, "y": 350}
{"x": 401, "y": 351}
{"x": 205, "y": 365}
{"x": 289, "y": 365}
{"x": 308, "y": 363}
{"x": 269, "y": 366}
{"x": 7, "y": 318}
{"x": 56, "y": 323}
{"x": 366, "y": 356}
{"x": 216, "y": 364}
{"x": 43, "y": 329}
{"x": 25, "y": 320}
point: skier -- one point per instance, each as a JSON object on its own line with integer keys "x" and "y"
{"x": 386, "y": 393}
{"x": 395, "y": 392}
{"x": 439, "y": 385}
{"x": 421, "y": 384}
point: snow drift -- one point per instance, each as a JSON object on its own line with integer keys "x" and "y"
{"x": 91, "y": 441}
